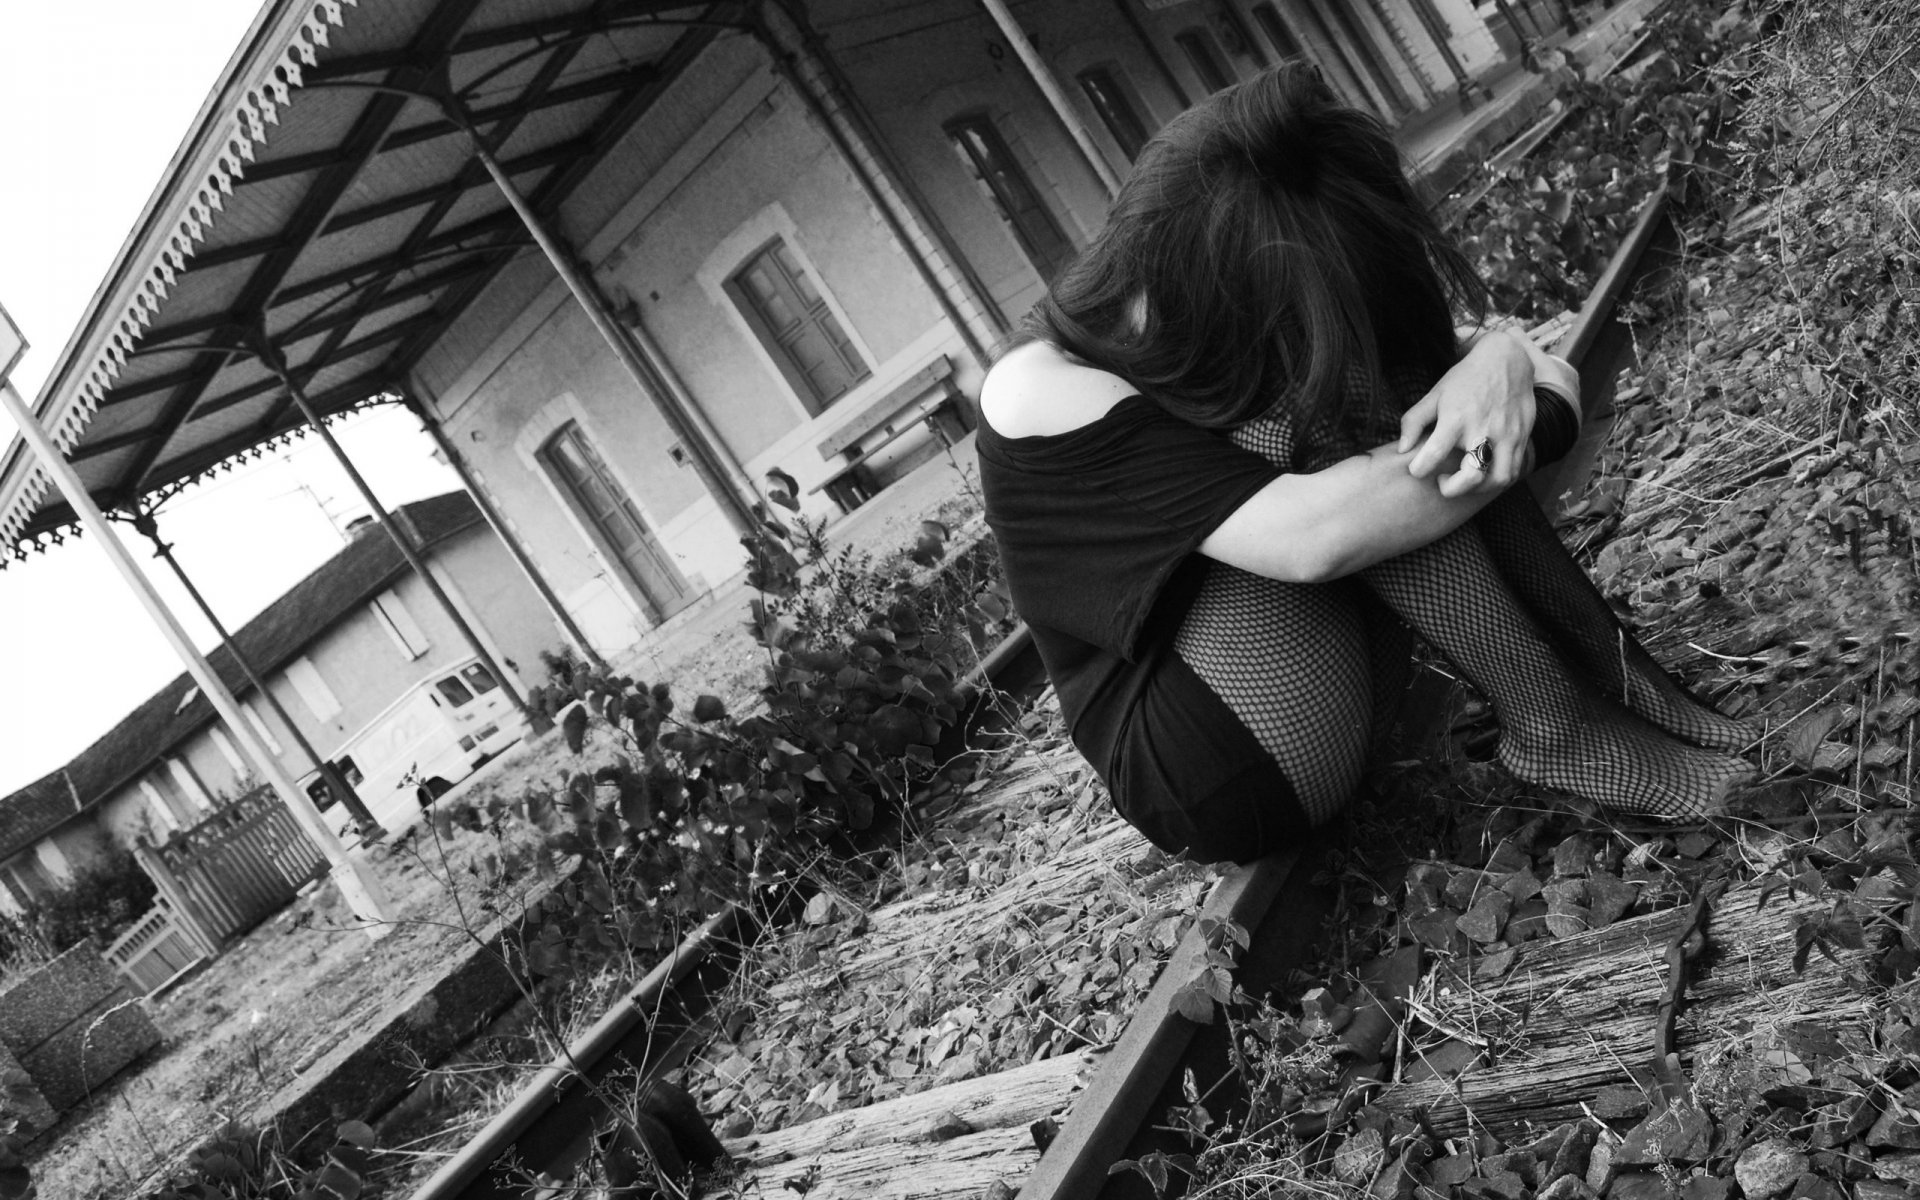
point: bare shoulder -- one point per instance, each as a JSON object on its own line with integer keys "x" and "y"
{"x": 1035, "y": 390}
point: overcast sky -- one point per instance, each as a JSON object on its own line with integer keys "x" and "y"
{"x": 94, "y": 99}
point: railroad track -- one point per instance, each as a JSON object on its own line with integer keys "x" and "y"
{"x": 1113, "y": 1100}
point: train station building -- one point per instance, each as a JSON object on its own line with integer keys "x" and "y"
{"x": 625, "y": 260}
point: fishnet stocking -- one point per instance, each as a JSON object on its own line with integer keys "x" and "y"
{"x": 1298, "y": 663}
{"x": 1562, "y": 599}
{"x": 1555, "y": 728}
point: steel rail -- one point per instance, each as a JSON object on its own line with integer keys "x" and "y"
{"x": 564, "y": 1082}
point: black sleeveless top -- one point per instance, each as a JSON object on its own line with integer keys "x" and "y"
{"x": 1098, "y": 530}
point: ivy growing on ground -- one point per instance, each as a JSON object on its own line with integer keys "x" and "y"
{"x": 1546, "y": 228}
{"x": 678, "y": 809}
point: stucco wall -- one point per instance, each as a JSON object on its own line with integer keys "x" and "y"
{"x": 366, "y": 672}
{"x": 737, "y": 160}
{"x": 921, "y": 63}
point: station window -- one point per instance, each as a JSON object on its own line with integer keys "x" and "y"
{"x": 786, "y": 311}
{"x": 1198, "y": 48}
{"x": 399, "y": 624}
{"x": 1007, "y": 188}
{"x": 613, "y": 517}
{"x": 1116, "y": 109}
{"x": 1277, "y": 33}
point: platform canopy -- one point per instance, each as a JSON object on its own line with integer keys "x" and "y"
{"x": 326, "y": 206}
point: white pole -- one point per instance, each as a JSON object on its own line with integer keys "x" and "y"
{"x": 361, "y": 888}
{"x": 1042, "y": 76}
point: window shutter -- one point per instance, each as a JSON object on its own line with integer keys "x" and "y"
{"x": 305, "y": 678}
{"x": 399, "y": 624}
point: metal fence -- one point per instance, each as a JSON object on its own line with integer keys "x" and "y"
{"x": 234, "y": 869}
{"x": 159, "y": 949}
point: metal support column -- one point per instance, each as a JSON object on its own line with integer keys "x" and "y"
{"x": 867, "y": 132}
{"x": 363, "y": 892}
{"x": 1399, "y": 40}
{"x": 507, "y": 537}
{"x": 1160, "y": 63}
{"x": 1520, "y": 35}
{"x": 270, "y": 358}
{"x": 1436, "y": 27}
{"x": 145, "y": 524}
{"x": 782, "y": 60}
{"x": 1042, "y": 76}
{"x": 706, "y": 460}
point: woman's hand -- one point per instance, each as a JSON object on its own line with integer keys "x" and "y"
{"x": 1486, "y": 397}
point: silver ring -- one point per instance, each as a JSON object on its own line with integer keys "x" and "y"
{"x": 1482, "y": 455}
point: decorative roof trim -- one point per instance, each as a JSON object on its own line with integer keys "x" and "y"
{"x": 258, "y": 82}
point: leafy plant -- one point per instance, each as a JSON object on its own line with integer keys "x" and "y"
{"x": 101, "y": 900}
{"x": 246, "y": 1164}
{"x": 1545, "y": 230}
{"x": 676, "y": 812}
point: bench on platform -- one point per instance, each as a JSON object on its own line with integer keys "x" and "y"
{"x": 888, "y": 417}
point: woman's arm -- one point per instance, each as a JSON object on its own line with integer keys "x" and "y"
{"x": 1310, "y": 528}
{"x": 1486, "y": 396}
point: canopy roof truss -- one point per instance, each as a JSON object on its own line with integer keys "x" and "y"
{"x": 330, "y": 253}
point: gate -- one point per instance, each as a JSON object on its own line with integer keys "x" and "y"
{"x": 156, "y": 951}
{"x": 234, "y": 869}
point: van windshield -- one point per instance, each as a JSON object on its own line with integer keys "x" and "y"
{"x": 478, "y": 678}
{"x": 455, "y": 691}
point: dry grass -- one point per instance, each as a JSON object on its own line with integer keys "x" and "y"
{"x": 254, "y": 1018}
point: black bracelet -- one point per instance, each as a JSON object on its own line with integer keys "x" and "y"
{"x": 1556, "y": 427}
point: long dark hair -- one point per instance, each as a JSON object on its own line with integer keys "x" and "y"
{"x": 1276, "y": 242}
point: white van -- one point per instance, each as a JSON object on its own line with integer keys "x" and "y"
{"x": 429, "y": 739}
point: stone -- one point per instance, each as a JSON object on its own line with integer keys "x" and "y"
{"x": 947, "y": 1126}
{"x": 1568, "y": 1187}
{"x": 1498, "y": 1185}
{"x": 1620, "y": 1101}
{"x": 1522, "y": 885}
{"x": 1601, "y": 1166}
{"x": 1816, "y": 1187}
{"x": 1396, "y": 1182}
{"x": 1450, "y": 1171}
{"x": 1545, "y": 1146}
{"x": 20, "y": 1096}
{"x": 1843, "y": 1164}
{"x": 1876, "y": 1189}
{"x": 1488, "y": 916}
{"x": 1439, "y": 929}
{"x": 1678, "y": 1133}
{"x": 1894, "y": 1129}
{"x": 1706, "y": 1187}
{"x": 1360, "y": 1157}
{"x": 1445, "y": 1061}
{"x": 1572, "y": 1156}
{"x": 1609, "y": 898}
{"x": 1529, "y": 920}
{"x": 1900, "y": 1168}
{"x": 73, "y": 1024}
{"x": 1638, "y": 1185}
{"x": 1574, "y": 856}
{"x": 1517, "y": 1162}
{"x": 1766, "y": 1169}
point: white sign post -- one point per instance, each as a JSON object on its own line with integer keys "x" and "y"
{"x": 358, "y": 885}
{"x": 12, "y": 345}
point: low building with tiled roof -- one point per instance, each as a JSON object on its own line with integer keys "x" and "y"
{"x": 338, "y": 649}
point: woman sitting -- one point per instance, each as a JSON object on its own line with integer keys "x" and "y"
{"x": 1243, "y": 458}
